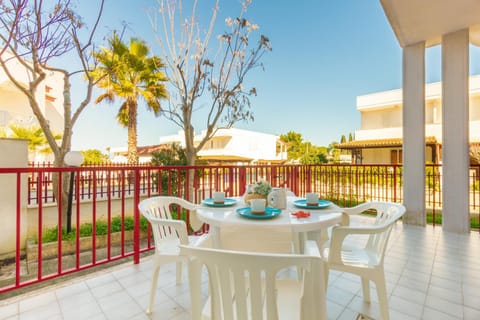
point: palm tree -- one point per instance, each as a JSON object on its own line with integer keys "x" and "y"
{"x": 128, "y": 72}
{"x": 37, "y": 142}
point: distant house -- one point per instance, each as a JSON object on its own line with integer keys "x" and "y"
{"x": 227, "y": 146}
{"x": 243, "y": 146}
{"x": 119, "y": 155}
{"x": 15, "y": 108}
{"x": 379, "y": 140}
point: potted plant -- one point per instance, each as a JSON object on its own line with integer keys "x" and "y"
{"x": 259, "y": 190}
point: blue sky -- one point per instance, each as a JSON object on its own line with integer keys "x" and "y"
{"x": 325, "y": 54}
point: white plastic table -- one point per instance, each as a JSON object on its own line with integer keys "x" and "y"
{"x": 301, "y": 228}
{"x": 320, "y": 219}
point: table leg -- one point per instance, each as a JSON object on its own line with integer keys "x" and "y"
{"x": 319, "y": 236}
{"x": 298, "y": 239}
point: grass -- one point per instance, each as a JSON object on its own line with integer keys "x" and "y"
{"x": 474, "y": 219}
{"x": 101, "y": 228}
{"x": 86, "y": 229}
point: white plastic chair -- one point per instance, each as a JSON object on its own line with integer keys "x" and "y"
{"x": 168, "y": 234}
{"x": 365, "y": 260}
{"x": 246, "y": 285}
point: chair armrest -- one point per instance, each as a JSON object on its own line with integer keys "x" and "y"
{"x": 347, "y": 212}
{"x": 179, "y": 225}
{"x": 357, "y": 209}
{"x": 339, "y": 233}
{"x": 363, "y": 207}
{"x": 195, "y": 223}
{"x": 186, "y": 204}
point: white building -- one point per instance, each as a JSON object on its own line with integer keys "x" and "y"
{"x": 14, "y": 106}
{"x": 232, "y": 146}
{"x": 243, "y": 146}
{"x": 380, "y": 137}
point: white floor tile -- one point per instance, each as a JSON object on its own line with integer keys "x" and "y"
{"x": 406, "y": 307}
{"x": 408, "y": 294}
{"x": 471, "y": 314}
{"x": 432, "y": 314}
{"x": 446, "y": 294}
{"x": 8, "y": 310}
{"x": 44, "y": 312}
{"x": 36, "y": 301}
{"x": 444, "y": 306}
{"x": 430, "y": 274}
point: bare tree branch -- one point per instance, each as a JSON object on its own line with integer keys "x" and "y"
{"x": 194, "y": 71}
{"x": 33, "y": 33}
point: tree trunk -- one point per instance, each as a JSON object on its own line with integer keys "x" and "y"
{"x": 64, "y": 191}
{"x": 132, "y": 155}
{"x": 191, "y": 155}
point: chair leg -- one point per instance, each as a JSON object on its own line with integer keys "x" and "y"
{"x": 179, "y": 267}
{"x": 326, "y": 272}
{"x": 366, "y": 289}
{"x": 194, "y": 281}
{"x": 153, "y": 288}
{"x": 382, "y": 298}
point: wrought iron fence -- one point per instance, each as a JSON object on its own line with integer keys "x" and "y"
{"x": 105, "y": 195}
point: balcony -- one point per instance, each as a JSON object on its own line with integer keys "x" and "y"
{"x": 430, "y": 274}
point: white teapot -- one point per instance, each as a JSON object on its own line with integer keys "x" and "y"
{"x": 278, "y": 198}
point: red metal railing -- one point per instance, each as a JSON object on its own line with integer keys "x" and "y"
{"x": 106, "y": 194}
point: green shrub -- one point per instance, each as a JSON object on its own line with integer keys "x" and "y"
{"x": 101, "y": 227}
{"x": 51, "y": 235}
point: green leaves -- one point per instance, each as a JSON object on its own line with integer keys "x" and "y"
{"x": 129, "y": 72}
{"x": 304, "y": 152}
{"x": 35, "y": 136}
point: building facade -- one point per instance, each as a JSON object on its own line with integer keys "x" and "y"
{"x": 380, "y": 137}
{"x": 15, "y": 109}
{"x": 227, "y": 146}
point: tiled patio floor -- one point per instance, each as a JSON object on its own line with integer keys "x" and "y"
{"x": 430, "y": 274}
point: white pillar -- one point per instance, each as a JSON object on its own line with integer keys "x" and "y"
{"x": 414, "y": 133}
{"x": 455, "y": 197}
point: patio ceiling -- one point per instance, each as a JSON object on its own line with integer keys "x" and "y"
{"x": 414, "y": 21}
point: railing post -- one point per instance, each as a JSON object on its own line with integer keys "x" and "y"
{"x": 60, "y": 221}
{"x": 40, "y": 224}
{"x": 136, "y": 217}
{"x": 231, "y": 182}
{"x": 242, "y": 177}
{"x": 77, "y": 212}
{"x": 18, "y": 232}
{"x": 395, "y": 166}
{"x": 308, "y": 178}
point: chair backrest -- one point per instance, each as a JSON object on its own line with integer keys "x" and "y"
{"x": 158, "y": 211}
{"x": 387, "y": 213}
{"x": 243, "y": 284}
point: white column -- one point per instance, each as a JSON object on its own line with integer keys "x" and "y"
{"x": 414, "y": 133}
{"x": 455, "y": 131}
